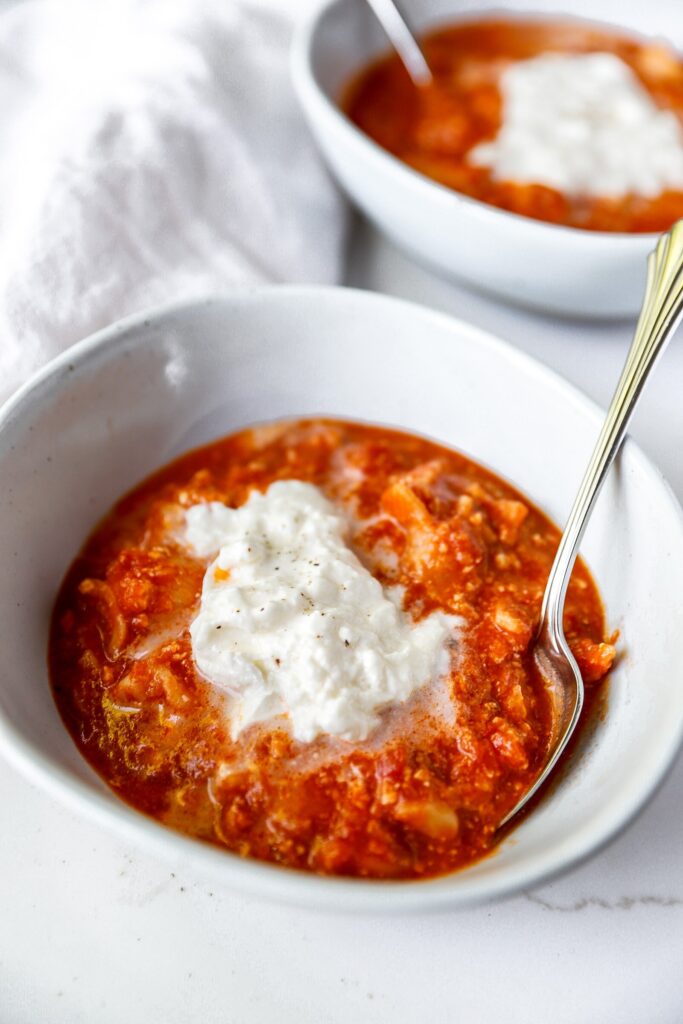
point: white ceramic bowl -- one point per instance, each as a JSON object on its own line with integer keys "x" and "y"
{"x": 127, "y": 400}
{"x": 558, "y": 269}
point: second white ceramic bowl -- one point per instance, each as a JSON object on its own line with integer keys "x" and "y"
{"x": 551, "y": 268}
{"x": 129, "y": 399}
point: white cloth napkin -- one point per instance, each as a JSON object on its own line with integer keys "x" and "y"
{"x": 149, "y": 150}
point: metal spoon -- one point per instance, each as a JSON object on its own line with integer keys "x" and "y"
{"x": 402, "y": 38}
{"x": 660, "y": 313}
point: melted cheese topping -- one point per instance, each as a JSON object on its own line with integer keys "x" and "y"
{"x": 291, "y": 623}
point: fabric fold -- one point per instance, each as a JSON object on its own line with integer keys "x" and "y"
{"x": 151, "y": 150}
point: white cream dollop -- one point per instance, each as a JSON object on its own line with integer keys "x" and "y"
{"x": 292, "y": 623}
{"x": 583, "y": 124}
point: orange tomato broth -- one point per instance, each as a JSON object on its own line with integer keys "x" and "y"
{"x": 424, "y": 794}
{"x": 432, "y": 128}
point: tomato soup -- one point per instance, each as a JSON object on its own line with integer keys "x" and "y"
{"x": 541, "y": 139}
{"x": 419, "y": 786}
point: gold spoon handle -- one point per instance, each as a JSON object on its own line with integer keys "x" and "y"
{"x": 660, "y": 313}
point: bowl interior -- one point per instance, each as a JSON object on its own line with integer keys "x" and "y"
{"x": 348, "y": 35}
{"x": 117, "y": 407}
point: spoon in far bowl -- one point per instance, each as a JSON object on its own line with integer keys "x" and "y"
{"x": 402, "y": 38}
{"x": 660, "y": 313}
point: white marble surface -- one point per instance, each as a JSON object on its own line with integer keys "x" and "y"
{"x": 91, "y": 930}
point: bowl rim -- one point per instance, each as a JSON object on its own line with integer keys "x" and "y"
{"x": 301, "y": 62}
{"x": 275, "y": 882}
